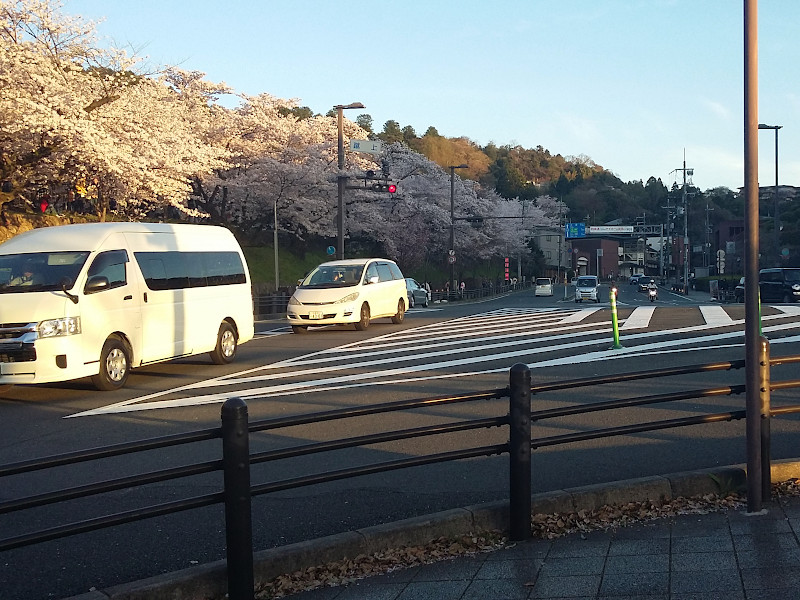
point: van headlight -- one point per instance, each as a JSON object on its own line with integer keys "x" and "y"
{"x": 349, "y": 298}
{"x": 59, "y": 327}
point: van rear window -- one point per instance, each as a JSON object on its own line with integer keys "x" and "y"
{"x": 179, "y": 270}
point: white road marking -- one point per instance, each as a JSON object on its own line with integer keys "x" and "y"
{"x": 434, "y": 351}
{"x": 716, "y": 315}
{"x": 639, "y": 318}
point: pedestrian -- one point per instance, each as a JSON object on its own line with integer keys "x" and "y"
{"x": 428, "y": 290}
{"x": 462, "y": 287}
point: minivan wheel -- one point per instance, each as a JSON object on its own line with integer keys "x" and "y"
{"x": 411, "y": 302}
{"x": 299, "y": 328}
{"x": 225, "y": 350}
{"x": 115, "y": 364}
{"x": 401, "y": 312}
{"x": 363, "y": 321}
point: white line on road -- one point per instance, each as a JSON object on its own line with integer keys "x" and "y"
{"x": 639, "y": 318}
{"x": 716, "y": 315}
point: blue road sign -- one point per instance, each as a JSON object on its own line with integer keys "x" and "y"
{"x": 575, "y": 230}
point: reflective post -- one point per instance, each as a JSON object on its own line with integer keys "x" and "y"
{"x": 612, "y": 296}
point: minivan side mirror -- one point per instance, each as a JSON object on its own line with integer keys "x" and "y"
{"x": 373, "y": 279}
{"x": 96, "y": 284}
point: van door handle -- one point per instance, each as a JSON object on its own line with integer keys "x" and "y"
{"x": 128, "y": 298}
{"x": 145, "y": 296}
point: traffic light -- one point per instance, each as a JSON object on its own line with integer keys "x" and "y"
{"x": 384, "y": 187}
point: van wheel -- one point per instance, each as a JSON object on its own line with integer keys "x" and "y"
{"x": 401, "y": 312}
{"x": 115, "y": 364}
{"x": 299, "y": 328}
{"x": 225, "y": 350}
{"x": 411, "y": 302}
{"x": 787, "y": 298}
{"x": 363, "y": 322}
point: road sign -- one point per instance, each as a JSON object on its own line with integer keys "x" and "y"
{"x": 331, "y": 250}
{"x": 451, "y": 252}
{"x": 451, "y": 259}
{"x": 601, "y": 229}
{"x": 368, "y": 146}
{"x": 575, "y": 230}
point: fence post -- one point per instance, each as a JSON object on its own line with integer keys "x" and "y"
{"x": 766, "y": 470}
{"x": 519, "y": 414}
{"x": 238, "y": 519}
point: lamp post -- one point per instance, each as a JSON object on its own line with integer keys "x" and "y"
{"x": 451, "y": 254}
{"x": 776, "y": 218}
{"x": 341, "y": 179}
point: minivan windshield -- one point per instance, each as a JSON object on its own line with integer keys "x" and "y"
{"x": 333, "y": 276}
{"x": 39, "y": 271}
{"x": 586, "y": 282}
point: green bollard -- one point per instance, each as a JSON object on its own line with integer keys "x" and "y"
{"x": 612, "y": 296}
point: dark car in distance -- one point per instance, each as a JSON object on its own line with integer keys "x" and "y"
{"x": 779, "y": 285}
{"x": 417, "y": 295}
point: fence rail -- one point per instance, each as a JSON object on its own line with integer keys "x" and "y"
{"x": 236, "y": 460}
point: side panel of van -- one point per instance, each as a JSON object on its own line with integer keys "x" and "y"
{"x": 115, "y": 309}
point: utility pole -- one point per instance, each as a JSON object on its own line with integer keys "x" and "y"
{"x": 707, "y": 247}
{"x": 686, "y": 253}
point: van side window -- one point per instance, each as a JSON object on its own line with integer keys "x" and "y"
{"x": 178, "y": 270}
{"x": 396, "y": 272}
{"x": 372, "y": 271}
{"x": 384, "y": 272}
{"x": 111, "y": 265}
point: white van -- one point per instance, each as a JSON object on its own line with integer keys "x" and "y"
{"x": 348, "y": 291}
{"x": 99, "y": 299}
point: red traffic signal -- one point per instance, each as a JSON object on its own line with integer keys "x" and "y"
{"x": 384, "y": 187}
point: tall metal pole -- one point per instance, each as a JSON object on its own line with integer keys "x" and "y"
{"x": 753, "y": 382}
{"x": 777, "y": 210}
{"x": 275, "y": 242}
{"x": 451, "y": 256}
{"x": 341, "y": 178}
{"x": 340, "y": 183}
{"x": 685, "y": 234}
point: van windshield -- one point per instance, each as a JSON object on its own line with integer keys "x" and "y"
{"x": 333, "y": 276}
{"x": 39, "y": 271}
{"x": 792, "y": 275}
{"x": 587, "y": 282}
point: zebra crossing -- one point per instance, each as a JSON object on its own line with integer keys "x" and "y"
{"x": 483, "y": 343}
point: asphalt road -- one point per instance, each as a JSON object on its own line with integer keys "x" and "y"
{"x": 441, "y": 350}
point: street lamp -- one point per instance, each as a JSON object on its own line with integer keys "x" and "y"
{"x": 341, "y": 179}
{"x": 451, "y": 254}
{"x": 776, "y": 219}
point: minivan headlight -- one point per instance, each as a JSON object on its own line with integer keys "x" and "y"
{"x": 294, "y": 301}
{"x": 59, "y": 327}
{"x": 349, "y": 298}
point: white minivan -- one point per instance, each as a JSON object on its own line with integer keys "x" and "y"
{"x": 99, "y": 299}
{"x": 348, "y": 291}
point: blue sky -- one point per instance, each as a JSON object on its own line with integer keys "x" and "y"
{"x": 631, "y": 84}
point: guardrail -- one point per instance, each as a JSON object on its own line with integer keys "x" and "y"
{"x": 237, "y": 489}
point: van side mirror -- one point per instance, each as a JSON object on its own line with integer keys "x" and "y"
{"x": 96, "y": 284}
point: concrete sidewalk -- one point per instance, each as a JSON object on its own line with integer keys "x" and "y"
{"x": 730, "y": 555}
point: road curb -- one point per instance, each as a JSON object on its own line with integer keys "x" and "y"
{"x": 208, "y": 581}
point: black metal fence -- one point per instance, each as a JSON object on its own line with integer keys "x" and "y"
{"x": 236, "y": 461}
